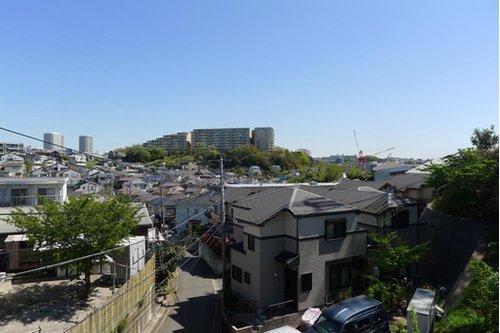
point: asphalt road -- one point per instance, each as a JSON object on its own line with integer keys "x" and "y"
{"x": 196, "y": 309}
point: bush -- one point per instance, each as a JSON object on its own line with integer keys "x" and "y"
{"x": 460, "y": 321}
{"x": 398, "y": 327}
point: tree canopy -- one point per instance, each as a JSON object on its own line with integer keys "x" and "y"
{"x": 466, "y": 184}
{"x": 79, "y": 227}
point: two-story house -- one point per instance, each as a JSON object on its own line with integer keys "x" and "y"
{"x": 294, "y": 246}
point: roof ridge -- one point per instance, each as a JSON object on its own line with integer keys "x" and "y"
{"x": 292, "y": 198}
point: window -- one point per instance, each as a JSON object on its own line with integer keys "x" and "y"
{"x": 247, "y": 278}
{"x": 196, "y": 210}
{"x": 251, "y": 243}
{"x": 236, "y": 272}
{"x": 335, "y": 229}
{"x": 402, "y": 219}
{"x": 362, "y": 325}
{"x": 19, "y": 196}
{"x": 340, "y": 276}
{"x": 306, "y": 280}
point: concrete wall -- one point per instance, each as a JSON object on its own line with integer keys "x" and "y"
{"x": 214, "y": 261}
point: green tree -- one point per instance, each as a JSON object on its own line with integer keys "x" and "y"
{"x": 28, "y": 166}
{"x": 390, "y": 253}
{"x": 79, "y": 227}
{"x": 466, "y": 184}
{"x": 481, "y": 295}
{"x": 91, "y": 163}
{"x": 329, "y": 172}
{"x": 484, "y": 139}
{"x": 157, "y": 153}
{"x": 355, "y": 172}
{"x": 247, "y": 156}
{"x": 137, "y": 153}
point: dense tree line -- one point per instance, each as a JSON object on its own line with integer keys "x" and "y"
{"x": 466, "y": 184}
{"x": 297, "y": 165}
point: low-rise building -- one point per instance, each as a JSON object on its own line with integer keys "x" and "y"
{"x": 11, "y": 147}
{"x": 27, "y": 191}
{"x": 13, "y": 169}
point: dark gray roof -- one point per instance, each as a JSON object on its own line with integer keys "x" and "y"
{"x": 347, "y": 184}
{"x": 408, "y": 180}
{"x": 366, "y": 199}
{"x": 261, "y": 206}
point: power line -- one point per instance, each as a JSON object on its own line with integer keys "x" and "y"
{"x": 43, "y": 141}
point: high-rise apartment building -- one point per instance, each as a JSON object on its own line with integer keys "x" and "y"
{"x": 86, "y": 144}
{"x": 221, "y": 138}
{"x": 263, "y": 138}
{"x": 172, "y": 143}
{"x": 10, "y": 147}
{"x": 53, "y": 141}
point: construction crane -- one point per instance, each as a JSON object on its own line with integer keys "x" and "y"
{"x": 362, "y": 158}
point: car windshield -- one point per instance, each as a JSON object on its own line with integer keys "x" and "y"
{"x": 325, "y": 325}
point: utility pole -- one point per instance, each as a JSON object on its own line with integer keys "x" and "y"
{"x": 222, "y": 222}
{"x": 162, "y": 209}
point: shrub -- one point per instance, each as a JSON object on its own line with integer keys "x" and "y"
{"x": 461, "y": 320}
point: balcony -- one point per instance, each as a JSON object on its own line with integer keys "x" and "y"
{"x": 27, "y": 200}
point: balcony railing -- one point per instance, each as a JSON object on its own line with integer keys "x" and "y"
{"x": 27, "y": 200}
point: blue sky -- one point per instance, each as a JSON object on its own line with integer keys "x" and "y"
{"x": 418, "y": 75}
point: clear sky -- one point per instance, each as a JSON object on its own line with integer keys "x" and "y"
{"x": 418, "y": 75}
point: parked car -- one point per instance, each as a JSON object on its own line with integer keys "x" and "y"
{"x": 360, "y": 314}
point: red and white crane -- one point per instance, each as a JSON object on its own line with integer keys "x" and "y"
{"x": 361, "y": 156}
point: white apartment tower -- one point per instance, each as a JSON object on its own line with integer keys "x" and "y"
{"x": 53, "y": 141}
{"x": 263, "y": 138}
{"x": 86, "y": 144}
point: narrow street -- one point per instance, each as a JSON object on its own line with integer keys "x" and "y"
{"x": 196, "y": 308}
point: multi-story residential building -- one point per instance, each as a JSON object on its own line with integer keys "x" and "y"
{"x": 27, "y": 191}
{"x": 293, "y": 246}
{"x": 172, "y": 143}
{"x": 53, "y": 141}
{"x": 221, "y": 138}
{"x": 12, "y": 165}
{"x": 86, "y": 144}
{"x": 78, "y": 160}
{"x": 10, "y": 147}
{"x": 263, "y": 138}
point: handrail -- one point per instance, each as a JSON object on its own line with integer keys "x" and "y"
{"x": 276, "y": 304}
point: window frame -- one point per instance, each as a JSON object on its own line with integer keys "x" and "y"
{"x": 306, "y": 282}
{"x": 245, "y": 275}
{"x": 339, "y": 267}
{"x": 251, "y": 243}
{"x": 236, "y": 273}
{"x": 334, "y": 222}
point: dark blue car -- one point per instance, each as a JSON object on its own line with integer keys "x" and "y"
{"x": 360, "y": 314}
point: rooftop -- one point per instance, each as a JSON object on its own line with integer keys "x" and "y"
{"x": 32, "y": 180}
